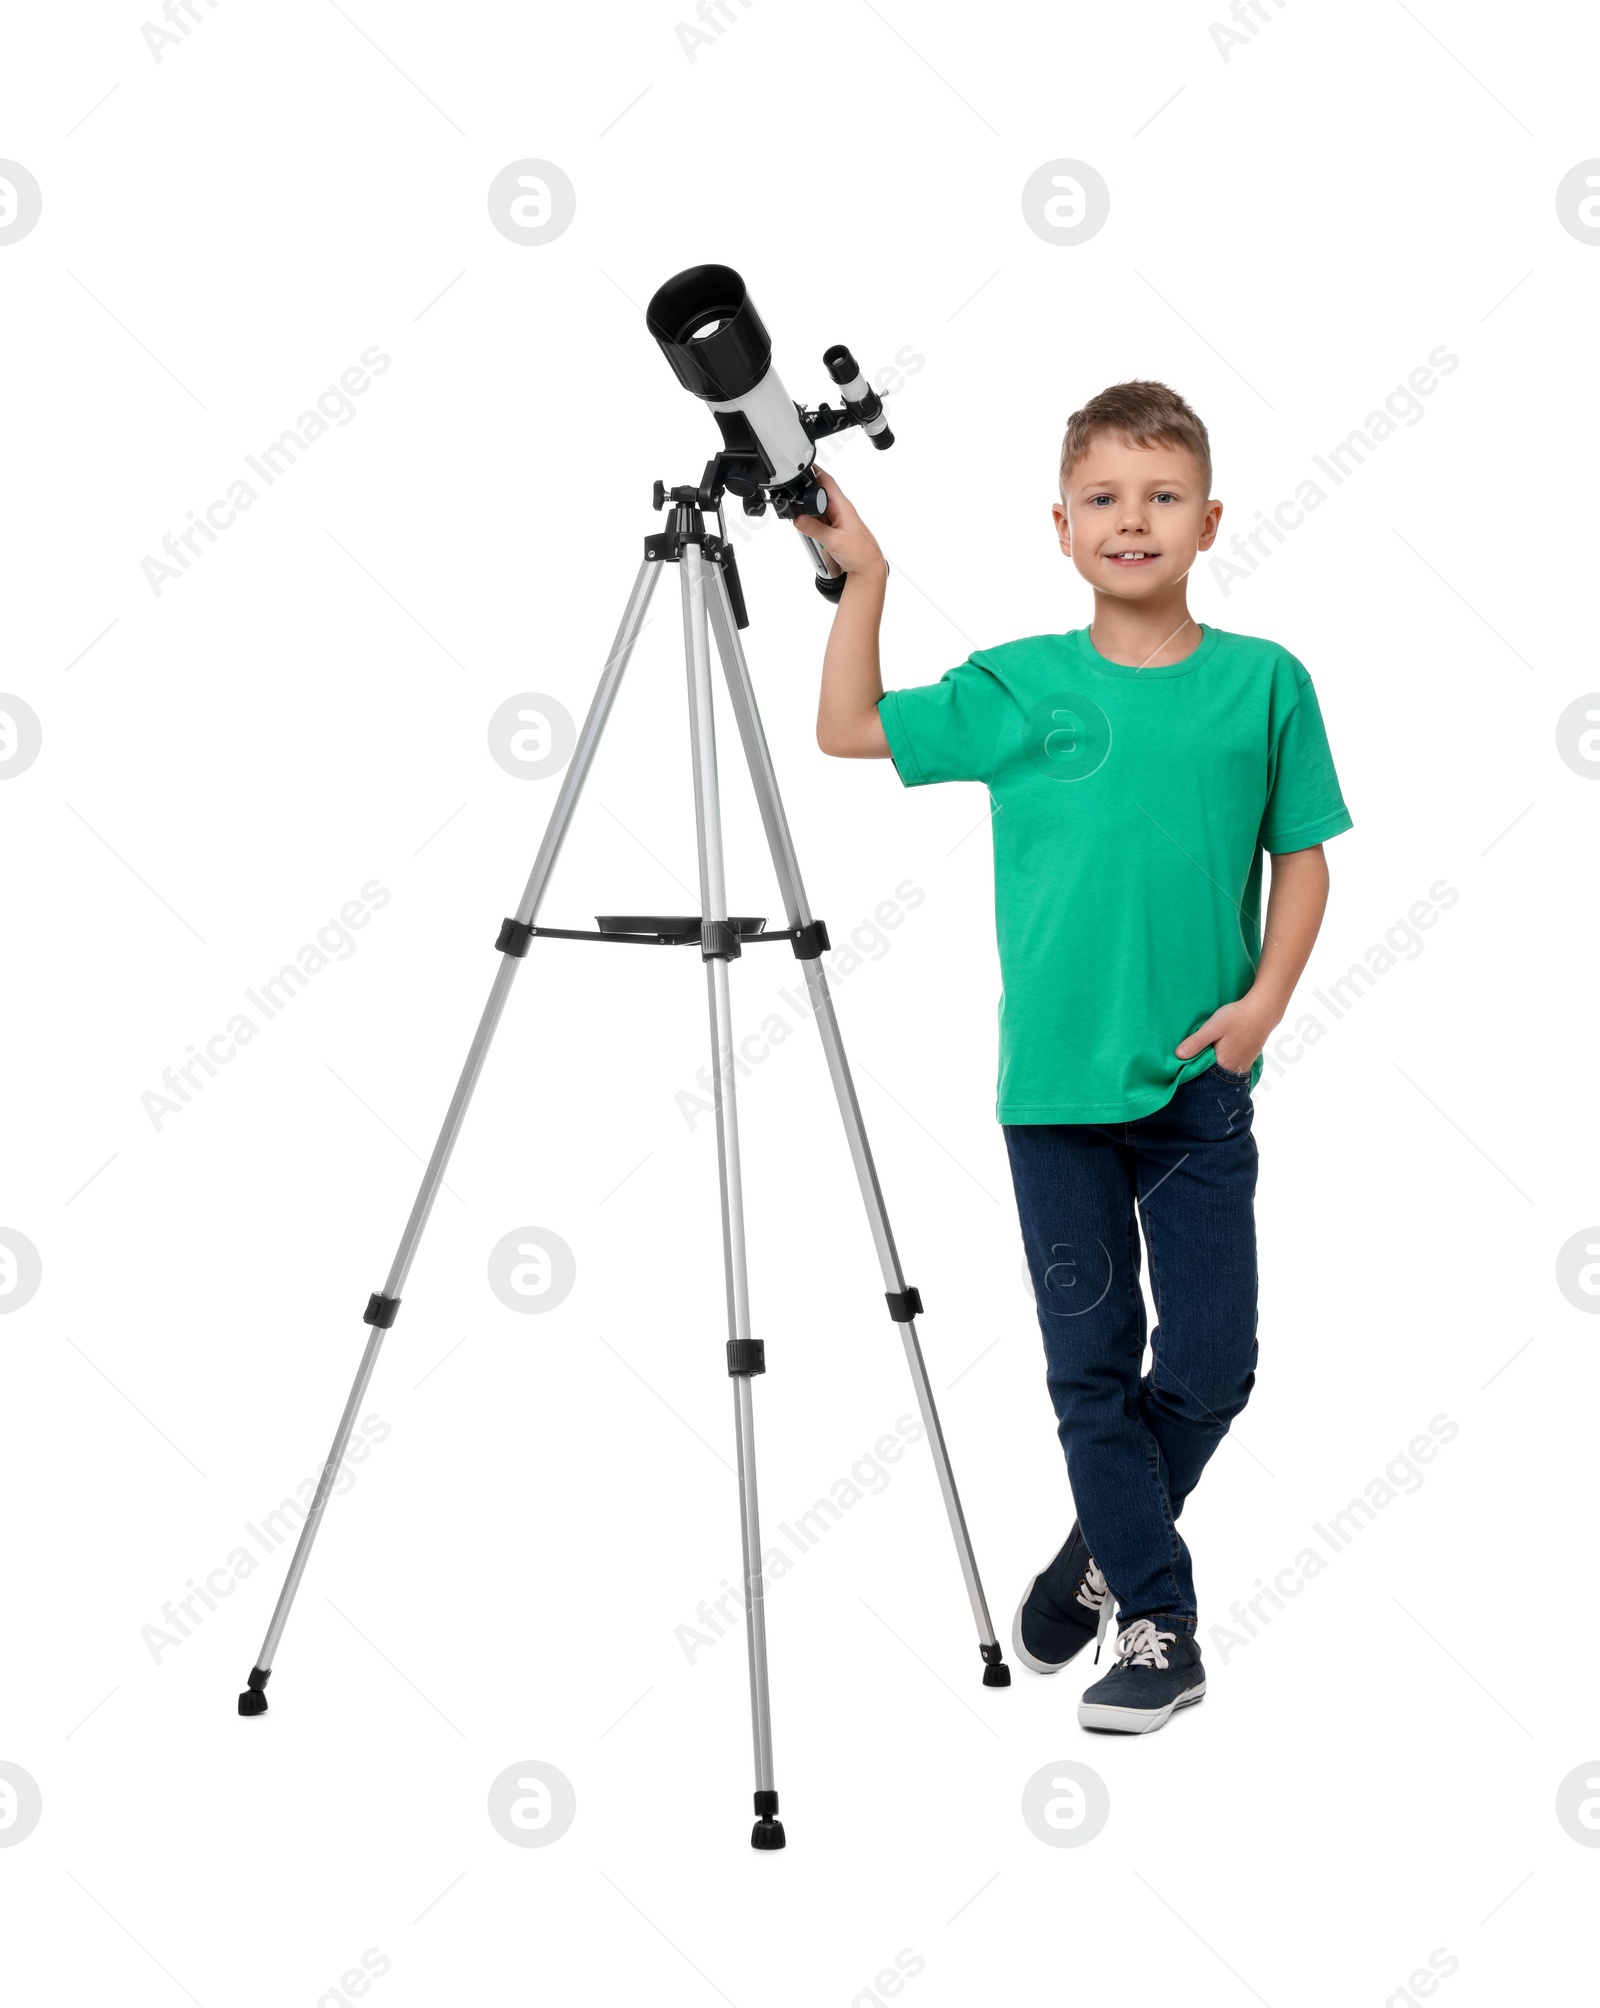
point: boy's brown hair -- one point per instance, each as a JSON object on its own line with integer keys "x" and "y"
{"x": 1145, "y": 414}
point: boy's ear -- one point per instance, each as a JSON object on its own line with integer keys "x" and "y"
{"x": 1062, "y": 532}
{"x": 1208, "y": 529}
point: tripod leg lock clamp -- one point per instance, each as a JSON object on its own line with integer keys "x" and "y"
{"x": 904, "y": 1305}
{"x": 514, "y": 937}
{"x": 810, "y": 940}
{"x": 747, "y": 1356}
{"x": 381, "y": 1311}
{"x": 718, "y": 939}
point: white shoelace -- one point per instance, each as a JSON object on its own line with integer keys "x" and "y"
{"x": 1141, "y": 1645}
{"x": 1094, "y": 1593}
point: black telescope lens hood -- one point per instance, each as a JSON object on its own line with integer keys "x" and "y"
{"x": 710, "y": 332}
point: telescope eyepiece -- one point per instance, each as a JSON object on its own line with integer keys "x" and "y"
{"x": 840, "y": 364}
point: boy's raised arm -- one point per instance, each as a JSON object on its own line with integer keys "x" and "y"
{"x": 848, "y": 725}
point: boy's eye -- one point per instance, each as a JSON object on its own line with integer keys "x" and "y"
{"x": 1165, "y": 495}
{"x": 1096, "y": 500}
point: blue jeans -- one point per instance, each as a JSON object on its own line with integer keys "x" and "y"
{"x": 1137, "y": 1442}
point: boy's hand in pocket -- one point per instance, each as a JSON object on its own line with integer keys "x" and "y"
{"x": 1238, "y": 1031}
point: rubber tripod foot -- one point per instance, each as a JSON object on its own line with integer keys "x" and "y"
{"x": 768, "y": 1832}
{"x": 253, "y": 1701}
{"x": 995, "y": 1671}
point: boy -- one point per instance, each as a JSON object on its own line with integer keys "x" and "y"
{"x": 1137, "y": 770}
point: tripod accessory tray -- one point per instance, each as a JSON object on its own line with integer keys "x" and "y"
{"x": 723, "y": 938}
{"x": 670, "y": 929}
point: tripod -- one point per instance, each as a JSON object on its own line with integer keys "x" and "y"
{"x": 711, "y": 593}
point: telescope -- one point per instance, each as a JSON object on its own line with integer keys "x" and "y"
{"x": 719, "y": 349}
{"x": 718, "y": 346}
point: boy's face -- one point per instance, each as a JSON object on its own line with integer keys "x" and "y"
{"x": 1136, "y": 517}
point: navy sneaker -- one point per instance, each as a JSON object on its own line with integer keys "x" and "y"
{"x": 1065, "y": 1606}
{"x": 1157, "y": 1672}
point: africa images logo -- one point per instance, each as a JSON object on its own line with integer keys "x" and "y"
{"x": 1069, "y": 736}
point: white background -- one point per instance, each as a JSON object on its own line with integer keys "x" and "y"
{"x": 1292, "y": 231}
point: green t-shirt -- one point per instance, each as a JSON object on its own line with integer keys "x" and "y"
{"x": 1130, "y": 808}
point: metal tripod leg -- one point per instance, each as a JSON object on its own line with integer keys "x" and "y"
{"x": 382, "y": 1309}
{"x": 903, "y": 1302}
{"x": 745, "y": 1357}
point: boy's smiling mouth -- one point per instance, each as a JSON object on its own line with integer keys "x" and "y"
{"x": 1133, "y": 557}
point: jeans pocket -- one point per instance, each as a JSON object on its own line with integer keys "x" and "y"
{"x": 1227, "y": 1074}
